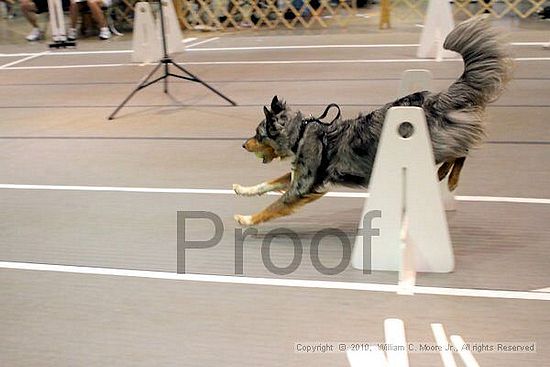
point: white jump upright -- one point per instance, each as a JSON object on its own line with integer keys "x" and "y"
{"x": 403, "y": 187}
{"x": 147, "y": 39}
{"x": 171, "y": 27}
{"x": 438, "y": 24}
{"x": 57, "y": 20}
{"x": 418, "y": 80}
{"x": 146, "y": 44}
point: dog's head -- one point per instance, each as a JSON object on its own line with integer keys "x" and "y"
{"x": 272, "y": 134}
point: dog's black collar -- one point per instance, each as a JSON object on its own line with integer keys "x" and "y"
{"x": 305, "y": 122}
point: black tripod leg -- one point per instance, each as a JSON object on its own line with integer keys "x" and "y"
{"x": 140, "y": 86}
{"x": 205, "y": 84}
{"x": 166, "y": 79}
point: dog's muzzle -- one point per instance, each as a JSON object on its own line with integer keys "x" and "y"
{"x": 265, "y": 152}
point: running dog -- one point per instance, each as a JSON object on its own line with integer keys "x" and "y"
{"x": 343, "y": 152}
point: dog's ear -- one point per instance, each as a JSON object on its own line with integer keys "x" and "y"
{"x": 270, "y": 123}
{"x": 268, "y": 114}
{"x": 276, "y": 105}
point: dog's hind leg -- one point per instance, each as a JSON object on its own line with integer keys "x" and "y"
{"x": 455, "y": 173}
{"x": 444, "y": 169}
{"x": 281, "y": 183}
{"x": 282, "y": 207}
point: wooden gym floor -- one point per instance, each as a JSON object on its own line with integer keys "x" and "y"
{"x": 101, "y": 205}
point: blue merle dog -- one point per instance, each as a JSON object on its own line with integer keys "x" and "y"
{"x": 343, "y": 152}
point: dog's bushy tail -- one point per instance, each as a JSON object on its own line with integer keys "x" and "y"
{"x": 460, "y": 109}
{"x": 487, "y": 64}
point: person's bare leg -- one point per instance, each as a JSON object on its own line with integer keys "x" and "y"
{"x": 28, "y": 8}
{"x": 73, "y": 13}
{"x": 97, "y": 13}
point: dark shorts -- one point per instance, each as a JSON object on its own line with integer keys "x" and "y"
{"x": 42, "y": 5}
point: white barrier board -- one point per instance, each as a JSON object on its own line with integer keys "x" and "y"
{"x": 418, "y": 80}
{"x": 404, "y": 185}
{"x": 146, "y": 45}
{"x": 171, "y": 28}
{"x": 438, "y": 24}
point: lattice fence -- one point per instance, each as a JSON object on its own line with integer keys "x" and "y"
{"x": 246, "y": 14}
{"x": 122, "y": 14}
{"x": 498, "y": 8}
{"x": 291, "y": 14}
{"x": 415, "y": 9}
{"x": 408, "y": 9}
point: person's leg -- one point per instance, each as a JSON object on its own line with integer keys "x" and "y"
{"x": 97, "y": 14}
{"x": 9, "y": 8}
{"x": 28, "y": 8}
{"x": 73, "y": 13}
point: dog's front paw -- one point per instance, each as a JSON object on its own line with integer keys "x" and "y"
{"x": 237, "y": 188}
{"x": 245, "y": 191}
{"x": 243, "y": 220}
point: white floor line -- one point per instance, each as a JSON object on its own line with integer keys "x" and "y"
{"x": 265, "y": 62}
{"x": 24, "y": 59}
{"x": 84, "y": 66}
{"x": 102, "y": 52}
{"x": 335, "y": 194}
{"x": 287, "y": 62}
{"x": 303, "y": 47}
{"x": 503, "y": 199}
{"x": 394, "y": 331}
{"x": 542, "y": 290}
{"x": 373, "y": 357}
{"x": 528, "y": 43}
{"x": 310, "y": 47}
{"x": 467, "y": 357}
{"x": 442, "y": 342}
{"x": 290, "y": 47}
{"x": 201, "y": 42}
{"x": 277, "y": 282}
{"x": 531, "y": 58}
{"x": 344, "y": 61}
{"x": 19, "y": 54}
{"x": 68, "y": 53}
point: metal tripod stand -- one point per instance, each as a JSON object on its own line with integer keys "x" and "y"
{"x": 165, "y": 62}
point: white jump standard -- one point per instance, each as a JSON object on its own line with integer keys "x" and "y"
{"x": 404, "y": 188}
